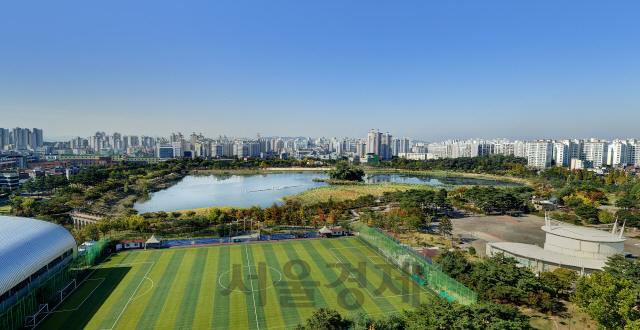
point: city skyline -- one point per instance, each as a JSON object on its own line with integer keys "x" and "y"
{"x": 429, "y": 70}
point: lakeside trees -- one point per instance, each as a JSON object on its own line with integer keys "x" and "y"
{"x": 345, "y": 172}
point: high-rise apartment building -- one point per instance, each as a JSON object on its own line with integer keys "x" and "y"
{"x": 540, "y": 153}
{"x": 36, "y": 138}
{"x": 379, "y": 144}
{"x": 561, "y": 153}
{"x": 624, "y": 153}
{"x": 617, "y": 153}
{"x": 5, "y": 138}
{"x": 595, "y": 152}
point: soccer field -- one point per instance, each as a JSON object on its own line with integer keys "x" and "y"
{"x": 238, "y": 286}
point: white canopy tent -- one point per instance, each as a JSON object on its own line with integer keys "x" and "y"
{"x": 325, "y": 231}
{"x": 153, "y": 240}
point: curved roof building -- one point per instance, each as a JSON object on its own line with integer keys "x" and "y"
{"x": 578, "y": 248}
{"x": 28, "y": 249}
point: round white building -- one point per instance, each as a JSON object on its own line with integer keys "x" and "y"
{"x": 577, "y": 248}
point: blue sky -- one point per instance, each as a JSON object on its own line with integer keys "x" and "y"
{"x": 430, "y": 70}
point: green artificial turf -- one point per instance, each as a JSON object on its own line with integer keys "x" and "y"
{"x": 266, "y": 285}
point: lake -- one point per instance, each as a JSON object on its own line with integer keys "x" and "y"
{"x": 198, "y": 191}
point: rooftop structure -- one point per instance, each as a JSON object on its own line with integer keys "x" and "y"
{"x": 30, "y": 249}
{"x": 577, "y": 248}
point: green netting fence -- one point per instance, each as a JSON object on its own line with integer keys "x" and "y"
{"x": 47, "y": 289}
{"x": 424, "y": 270}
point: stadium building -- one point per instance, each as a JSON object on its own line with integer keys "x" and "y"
{"x": 577, "y": 248}
{"x": 31, "y": 251}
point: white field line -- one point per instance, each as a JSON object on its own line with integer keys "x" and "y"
{"x": 253, "y": 294}
{"x": 85, "y": 299}
{"x": 145, "y": 291}
{"x": 134, "y": 292}
{"x": 386, "y": 261}
{"x": 77, "y": 285}
{"x": 393, "y": 277}
{"x": 392, "y": 265}
{"x": 345, "y": 267}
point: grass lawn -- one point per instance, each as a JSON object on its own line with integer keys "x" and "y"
{"x": 351, "y": 192}
{"x": 5, "y": 209}
{"x": 409, "y": 238}
{"x": 239, "y": 286}
{"x": 565, "y": 321}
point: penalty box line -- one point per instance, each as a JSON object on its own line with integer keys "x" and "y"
{"x": 53, "y": 310}
{"x": 400, "y": 270}
{"x": 134, "y": 291}
{"x": 392, "y": 277}
{"x": 85, "y": 299}
{"x": 70, "y": 292}
{"x": 102, "y": 280}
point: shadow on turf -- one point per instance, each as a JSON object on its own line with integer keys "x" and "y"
{"x": 86, "y": 309}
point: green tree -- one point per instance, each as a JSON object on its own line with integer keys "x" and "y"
{"x": 104, "y": 225}
{"x": 343, "y": 171}
{"x": 620, "y": 267}
{"x": 446, "y": 227}
{"x": 588, "y": 213}
{"x": 326, "y": 319}
{"x": 606, "y": 216}
{"x": 92, "y": 232}
{"x": 565, "y": 277}
{"x": 214, "y": 215}
{"x": 625, "y": 203}
{"x": 608, "y": 300}
{"x": 438, "y": 313}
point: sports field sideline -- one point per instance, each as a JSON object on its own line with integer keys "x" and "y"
{"x": 240, "y": 286}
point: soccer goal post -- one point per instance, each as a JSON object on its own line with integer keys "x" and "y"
{"x": 67, "y": 290}
{"x": 31, "y": 319}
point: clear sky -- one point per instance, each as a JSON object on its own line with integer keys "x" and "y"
{"x": 430, "y": 70}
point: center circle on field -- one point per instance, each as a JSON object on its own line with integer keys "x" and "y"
{"x": 255, "y": 271}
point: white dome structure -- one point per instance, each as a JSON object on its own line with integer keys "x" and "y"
{"x": 29, "y": 248}
{"x": 577, "y": 248}
{"x": 583, "y": 242}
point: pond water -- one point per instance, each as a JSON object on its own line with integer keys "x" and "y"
{"x": 198, "y": 191}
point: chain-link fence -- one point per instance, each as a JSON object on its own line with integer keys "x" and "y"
{"x": 423, "y": 269}
{"x": 46, "y": 289}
